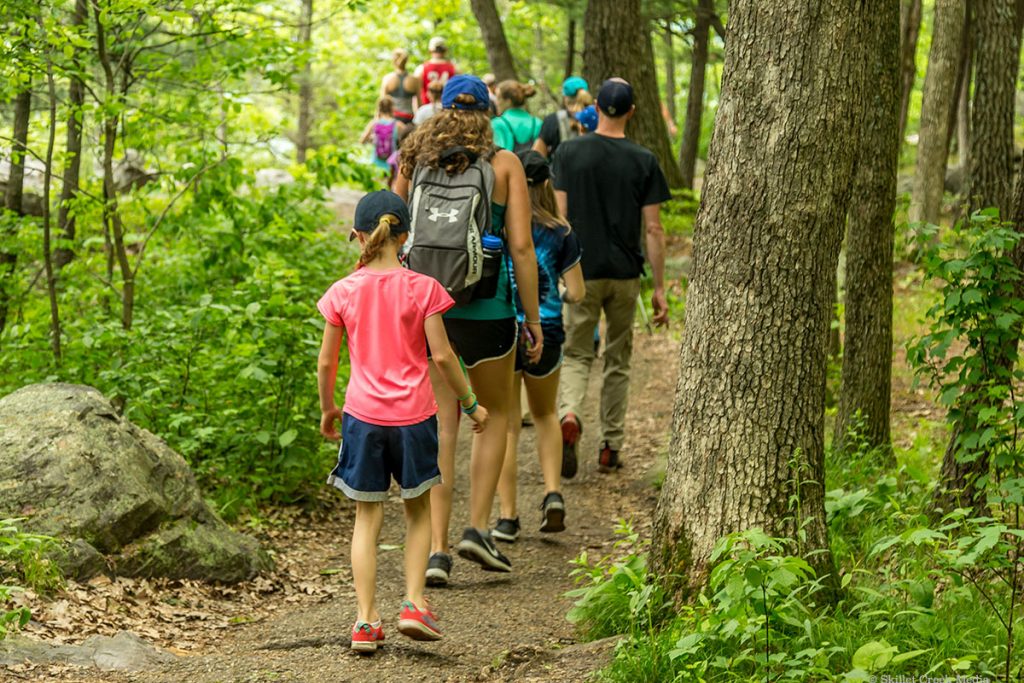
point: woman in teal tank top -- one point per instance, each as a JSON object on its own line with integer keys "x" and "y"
{"x": 484, "y": 332}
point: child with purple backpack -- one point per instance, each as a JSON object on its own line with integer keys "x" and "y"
{"x": 382, "y": 132}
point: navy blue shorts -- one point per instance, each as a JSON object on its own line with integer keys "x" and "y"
{"x": 372, "y": 454}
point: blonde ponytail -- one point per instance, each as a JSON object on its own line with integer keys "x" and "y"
{"x": 380, "y": 236}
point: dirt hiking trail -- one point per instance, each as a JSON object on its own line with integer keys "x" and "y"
{"x": 294, "y": 624}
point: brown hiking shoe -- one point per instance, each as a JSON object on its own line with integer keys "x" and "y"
{"x": 607, "y": 459}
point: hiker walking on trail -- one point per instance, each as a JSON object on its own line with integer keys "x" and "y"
{"x": 401, "y": 86}
{"x": 470, "y": 206}
{"x": 563, "y": 124}
{"x": 382, "y": 133}
{"x": 438, "y": 68}
{"x": 515, "y": 129}
{"x": 432, "y": 107}
{"x": 558, "y": 257}
{"x": 610, "y": 189}
{"x": 388, "y": 426}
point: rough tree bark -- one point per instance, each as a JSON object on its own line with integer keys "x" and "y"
{"x": 72, "y": 153}
{"x": 499, "y": 56}
{"x": 939, "y": 90}
{"x": 14, "y": 192}
{"x": 867, "y": 359}
{"x": 617, "y": 42}
{"x": 910, "y": 30}
{"x": 695, "y": 94}
{"x": 305, "y": 117}
{"x": 996, "y": 60}
{"x": 748, "y": 426}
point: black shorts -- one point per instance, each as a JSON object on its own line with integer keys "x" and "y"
{"x": 478, "y": 341}
{"x": 550, "y": 360}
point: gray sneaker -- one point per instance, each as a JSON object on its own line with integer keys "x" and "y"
{"x": 552, "y": 513}
{"x": 506, "y": 530}
{"x": 478, "y": 547}
{"x": 438, "y": 569}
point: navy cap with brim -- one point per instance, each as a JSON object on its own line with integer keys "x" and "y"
{"x": 376, "y": 204}
{"x": 464, "y": 84}
{"x": 615, "y": 97}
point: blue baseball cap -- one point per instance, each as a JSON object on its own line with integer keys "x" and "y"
{"x": 464, "y": 84}
{"x": 376, "y": 204}
{"x": 588, "y": 117}
{"x": 615, "y": 97}
{"x": 573, "y": 85}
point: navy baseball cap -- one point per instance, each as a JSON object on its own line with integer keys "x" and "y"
{"x": 376, "y": 204}
{"x": 573, "y": 85}
{"x": 536, "y": 167}
{"x": 615, "y": 97}
{"x": 464, "y": 84}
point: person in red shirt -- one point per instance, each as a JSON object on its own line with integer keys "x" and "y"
{"x": 437, "y": 68}
{"x": 389, "y": 423}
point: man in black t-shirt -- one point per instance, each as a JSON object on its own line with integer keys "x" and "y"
{"x": 611, "y": 190}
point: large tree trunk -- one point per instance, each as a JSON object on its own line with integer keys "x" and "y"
{"x": 939, "y": 90}
{"x": 695, "y": 95}
{"x": 867, "y": 359}
{"x": 996, "y": 59}
{"x": 617, "y": 42}
{"x": 748, "y": 427}
{"x": 910, "y": 30}
{"x": 72, "y": 155}
{"x": 499, "y": 56}
{"x": 305, "y": 118}
{"x": 14, "y": 192}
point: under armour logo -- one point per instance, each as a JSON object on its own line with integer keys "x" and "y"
{"x": 452, "y": 215}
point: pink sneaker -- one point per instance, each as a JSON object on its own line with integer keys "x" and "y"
{"x": 366, "y": 637}
{"x": 418, "y": 624}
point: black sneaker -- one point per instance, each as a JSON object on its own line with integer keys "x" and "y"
{"x": 571, "y": 431}
{"x": 607, "y": 459}
{"x": 552, "y": 513}
{"x": 438, "y": 569}
{"x": 506, "y": 530}
{"x": 478, "y": 547}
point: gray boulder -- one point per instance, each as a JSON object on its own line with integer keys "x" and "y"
{"x": 124, "y": 651}
{"x": 116, "y": 493}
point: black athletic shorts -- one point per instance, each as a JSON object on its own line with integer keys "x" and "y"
{"x": 550, "y": 360}
{"x": 478, "y": 341}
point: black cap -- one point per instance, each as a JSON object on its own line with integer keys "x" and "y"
{"x": 615, "y": 97}
{"x": 376, "y": 204}
{"x": 536, "y": 166}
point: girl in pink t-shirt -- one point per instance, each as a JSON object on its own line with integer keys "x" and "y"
{"x": 388, "y": 425}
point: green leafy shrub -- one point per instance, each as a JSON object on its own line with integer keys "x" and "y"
{"x": 25, "y": 559}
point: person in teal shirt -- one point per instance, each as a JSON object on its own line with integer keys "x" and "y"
{"x": 516, "y": 128}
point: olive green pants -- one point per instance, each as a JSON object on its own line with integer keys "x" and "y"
{"x": 617, "y": 298}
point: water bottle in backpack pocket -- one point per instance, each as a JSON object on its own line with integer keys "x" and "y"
{"x": 494, "y": 254}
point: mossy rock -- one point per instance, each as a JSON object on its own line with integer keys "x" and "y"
{"x": 77, "y": 470}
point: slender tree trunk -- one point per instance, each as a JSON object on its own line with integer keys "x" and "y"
{"x": 996, "y": 60}
{"x": 748, "y": 427}
{"x": 939, "y": 90}
{"x": 867, "y": 359}
{"x": 51, "y": 283}
{"x": 910, "y": 30}
{"x": 670, "y": 71}
{"x": 617, "y": 42}
{"x": 499, "y": 56}
{"x": 111, "y": 212}
{"x": 997, "y": 45}
{"x": 570, "y": 48}
{"x": 73, "y": 152}
{"x": 305, "y": 117}
{"x": 963, "y": 117}
{"x": 958, "y": 125}
{"x": 695, "y": 95}
{"x": 14, "y": 193}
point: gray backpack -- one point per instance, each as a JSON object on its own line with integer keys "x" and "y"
{"x": 566, "y": 131}
{"x": 450, "y": 215}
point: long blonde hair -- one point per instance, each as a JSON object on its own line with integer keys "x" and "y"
{"x": 376, "y": 240}
{"x": 544, "y": 207}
